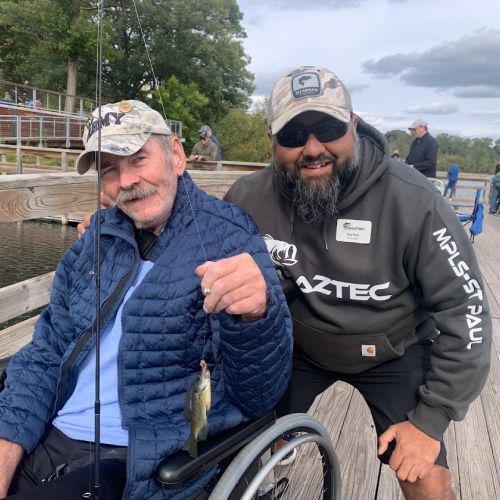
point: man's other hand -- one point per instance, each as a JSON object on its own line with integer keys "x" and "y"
{"x": 82, "y": 227}
{"x": 415, "y": 451}
{"x": 234, "y": 285}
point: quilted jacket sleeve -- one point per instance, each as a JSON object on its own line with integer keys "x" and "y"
{"x": 256, "y": 355}
{"x": 27, "y": 400}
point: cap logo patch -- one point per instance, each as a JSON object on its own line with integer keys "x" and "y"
{"x": 306, "y": 85}
{"x": 111, "y": 118}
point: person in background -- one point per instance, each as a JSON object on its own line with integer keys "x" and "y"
{"x": 184, "y": 277}
{"x": 453, "y": 173}
{"x": 395, "y": 154}
{"x": 373, "y": 262}
{"x": 204, "y": 149}
{"x": 208, "y": 130}
{"x": 495, "y": 192}
{"x": 423, "y": 150}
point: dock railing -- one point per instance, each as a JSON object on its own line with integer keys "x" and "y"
{"x": 66, "y": 195}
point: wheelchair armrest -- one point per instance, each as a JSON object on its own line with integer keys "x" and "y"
{"x": 179, "y": 467}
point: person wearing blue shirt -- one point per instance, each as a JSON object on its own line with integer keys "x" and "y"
{"x": 184, "y": 277}
{"x": 453, "y": 173}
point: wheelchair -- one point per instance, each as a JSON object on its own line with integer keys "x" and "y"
{"x": 257, "y": 468}
{"x": 251, "y": 467}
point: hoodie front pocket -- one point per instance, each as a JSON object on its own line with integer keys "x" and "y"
{"x": 345, "y": 353}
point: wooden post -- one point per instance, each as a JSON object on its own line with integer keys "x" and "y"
{"x": 19, "y": 152}
{"x": 64, "y": 161}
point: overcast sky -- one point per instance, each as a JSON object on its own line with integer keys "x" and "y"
{"x": 401, "y": 59}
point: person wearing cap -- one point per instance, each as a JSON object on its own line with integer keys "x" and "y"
{"x": 169, "y": 298}
{"x": 423, "y": 149}
{"x": 206, "y": 129}
{"x": 374, "y": 265}
{"x": 204, "y": 149}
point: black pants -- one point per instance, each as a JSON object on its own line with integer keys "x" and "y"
{"x": 390, "y": 389}
{"x": 63, "y": 468}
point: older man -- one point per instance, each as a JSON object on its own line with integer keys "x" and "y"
{"x": 172, "y": 292}
{"x": 381, "y": 280}
{"x": 423, "y": 149}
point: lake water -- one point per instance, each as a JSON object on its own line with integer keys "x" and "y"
{"x": 32, "y": 248}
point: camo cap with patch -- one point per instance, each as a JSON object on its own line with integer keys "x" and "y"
{"x": 308, "y": 88}
{"x": 125, "y": 128}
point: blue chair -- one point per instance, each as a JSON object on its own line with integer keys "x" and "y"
{"x": 475, "y": 218}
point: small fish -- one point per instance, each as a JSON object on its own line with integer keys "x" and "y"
{"x": 198, "y": 401}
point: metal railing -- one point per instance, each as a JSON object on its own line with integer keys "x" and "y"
{"x": 31, "y": 97}
{"x": 42, "y": 128}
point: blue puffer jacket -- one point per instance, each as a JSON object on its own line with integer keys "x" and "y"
{"x": 165, "y": 334}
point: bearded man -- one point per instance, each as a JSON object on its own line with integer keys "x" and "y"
{"x": 382, "y": 283}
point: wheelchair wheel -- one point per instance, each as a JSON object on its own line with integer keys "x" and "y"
{"x": 314, "y": 472}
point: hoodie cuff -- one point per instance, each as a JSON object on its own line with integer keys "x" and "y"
{"x": 431, "y": 420}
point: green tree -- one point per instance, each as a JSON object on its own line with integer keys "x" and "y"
{"x": 198, "y": 42}
{"x": 42, "y": 42}
{"x": 182, "y": 102}
{"x": 243, "y": 135}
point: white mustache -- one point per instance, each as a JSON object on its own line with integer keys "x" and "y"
{"x": 136, "y": 193}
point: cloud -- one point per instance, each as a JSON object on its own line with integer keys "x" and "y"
{"x": 356, "y": 87}
{"x": 493, "y": 114}
{"x": 467, "y": 66}
{"x": 437, "y": 108}
{"x": 477, "y": 91}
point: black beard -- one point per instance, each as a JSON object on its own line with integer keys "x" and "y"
{"x": 316, "y": 198}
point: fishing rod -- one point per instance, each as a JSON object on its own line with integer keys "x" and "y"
{"x": 94, "y": 493}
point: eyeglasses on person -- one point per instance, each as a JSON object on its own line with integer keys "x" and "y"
{"x": 296, "y": 136}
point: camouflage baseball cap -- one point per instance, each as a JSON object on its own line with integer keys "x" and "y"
{"x": 308, "y": 88}
{"x": 125, "y": 128}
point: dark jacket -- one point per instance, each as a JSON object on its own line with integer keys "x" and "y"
{"x": 165, "y": 333}
{"x": 377, "y": 278}
{"x": 423, "y": 155}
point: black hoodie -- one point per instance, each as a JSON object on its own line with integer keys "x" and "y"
{"x": 394, "y": 264}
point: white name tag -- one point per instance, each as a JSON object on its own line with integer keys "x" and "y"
{"x": 354, "y": 231}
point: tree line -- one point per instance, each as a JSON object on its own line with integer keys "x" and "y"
{"x": 243, "y": 136}
{"x": 197, "y": 74}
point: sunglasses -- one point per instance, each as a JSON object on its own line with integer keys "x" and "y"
{"x": 296, "y": 136}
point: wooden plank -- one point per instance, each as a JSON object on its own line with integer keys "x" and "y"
{"x": 388, "y": 487}
{"x": 25, "y": 296}
{"x": 15, "y": 337}
{"x": 42, "y": 201}
{"x": 331, "y": 407}
{"x": 490, "y": 402}
{"x": 33, "y": 196}
{"x": 478, "y": 474}
{"x": 357, "y": 452}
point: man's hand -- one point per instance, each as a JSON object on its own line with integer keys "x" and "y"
{"x": 82, "y": 227}
{"x": 234, "y": 285}
{"x": 415, "y": 451}
{"x": 10, "y": 457}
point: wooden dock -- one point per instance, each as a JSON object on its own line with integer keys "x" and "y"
{"x": 473, "y": 445}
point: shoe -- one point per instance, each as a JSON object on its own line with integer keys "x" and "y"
{"x": 273, "y": 491}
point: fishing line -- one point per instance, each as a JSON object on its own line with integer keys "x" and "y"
{"x": 183, "y": 180}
